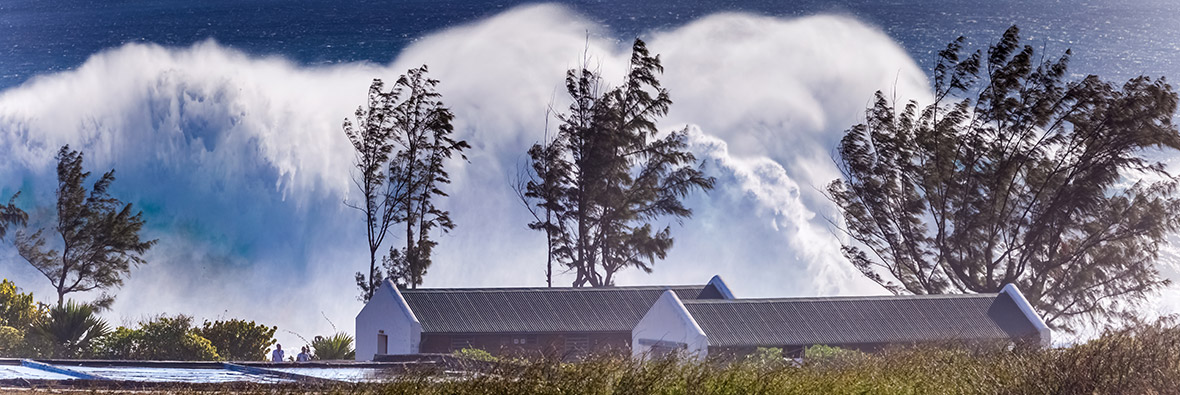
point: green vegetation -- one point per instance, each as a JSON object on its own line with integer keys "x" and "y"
{"x": 402, "y": 139}
{"x": 239, "y": 340}
{"x": 74, "y": 330}
{"x": 160, "y": 338}
{"x": 606, "y": 182}
{"x": 1016, "y": 174}
{"x": 99, "y": 236}
{"x": 1144, "y": 359}
{"x": 335, "y": 347}
{"x": 475, "y": 354}
{"x": 69, "y": 329}
{"x": 17, "y": 309}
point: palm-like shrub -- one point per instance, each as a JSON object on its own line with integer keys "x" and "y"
{"x": 338, "y": 346}
{"x": 69, "y": 329}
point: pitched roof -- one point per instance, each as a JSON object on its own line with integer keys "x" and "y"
{"x": 859, "y": 320}
{"x": 538, "y": 310}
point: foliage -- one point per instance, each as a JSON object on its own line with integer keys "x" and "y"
{"x": 18, "y": 310}
{"x": 100, "y": 235}
{"x": 122, "y": 343}
{"x": 160, "y": 338}
{"x": 11, "y": 340}
{"x": 821, "y": 351}
{"x": 424, "y": 132}
{"x": 69, "y": 329}
{"x": 372, "y": 140}
{"x": 474, "y": 354}
{"x": 335, "y": 347}
{"x": 239, "y": 340}
{"x": 766, "y": 356}
{"x": 412, "y": 118}
{"x": 1037, "y": 181}
{"x": 1139, "y": 359}
{"x": 10, "y": 214}
{"x": 595, "y": 188}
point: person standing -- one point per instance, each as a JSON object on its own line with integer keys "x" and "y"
{"x": 277, "y": 355}
{"x": 304, "y": 355}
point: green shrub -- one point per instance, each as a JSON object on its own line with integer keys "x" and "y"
{"x": 474, "y": 354}
{"x": 17, "y": 309}
{"x": 122, "y": 343}
{"x": 69, "y": 330}
{"x": 335, "y": 347}
{"x": 162, "y": 338}
{"x": 11, "y": 340}
{"x": 239, "y": 340}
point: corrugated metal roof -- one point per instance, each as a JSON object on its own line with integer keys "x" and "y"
{"x": 859, "y": 320}
{"x": 537, "y": 310}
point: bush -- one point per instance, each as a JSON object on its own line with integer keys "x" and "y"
{"x": 11, "y": 340}
{"x": 239, "y": 340}
{"x": 120, "y": 344}
{"x": 337, "y": 346}
{"x": 474, "y": 354}
{"x": 161, "y": 338}
{"x": 69, "y": 330}
{"x": 17, "y": 309}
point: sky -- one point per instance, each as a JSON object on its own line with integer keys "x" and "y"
{"x": 242, "y": 169}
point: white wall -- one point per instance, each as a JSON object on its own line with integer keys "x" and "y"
{"x": 668, "y": 321}
{"x": 1046, "y": 336}
{"x": 387, "y": 311}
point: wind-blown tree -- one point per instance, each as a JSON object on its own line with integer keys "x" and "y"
{"x": 382, "y": 191}
{"x": 100, "y": 239}
{"x": 608, "y": 174}
{"x": 10, "y": 214}
{"x": 423, "y": 131}
{"x": 402, "y": 143}
{"x": 1033, "y": 180}
{"x": 540, "y": 189}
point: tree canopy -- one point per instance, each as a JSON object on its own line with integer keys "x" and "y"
{"x": 1015, "y": 174}
{"x": 100, "y": 239}
{"x": 402, "y": 141}
{"x": 596, "y": 188}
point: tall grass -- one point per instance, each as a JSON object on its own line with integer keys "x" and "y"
{"x": 1140, "y": 360}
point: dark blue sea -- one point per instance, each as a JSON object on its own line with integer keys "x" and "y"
{"x": 1115, "y": 39}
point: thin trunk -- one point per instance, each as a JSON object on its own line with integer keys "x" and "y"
{"x": 549, "y": 238}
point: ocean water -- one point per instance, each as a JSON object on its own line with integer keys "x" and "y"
{"x": 1115, "y": 39}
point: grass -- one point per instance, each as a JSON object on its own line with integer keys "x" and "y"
{"x": 1141, "y": 360}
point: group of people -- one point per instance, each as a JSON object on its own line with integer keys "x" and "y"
{"x": 277, "y": 354}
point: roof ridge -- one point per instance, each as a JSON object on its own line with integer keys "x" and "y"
{"x": 553, "y": 289}
{"x": 839, "y": 298}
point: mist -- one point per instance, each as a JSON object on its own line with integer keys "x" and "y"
{"x": 241, "y": 166}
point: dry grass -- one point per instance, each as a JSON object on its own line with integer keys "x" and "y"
{"x": 1140, "y": 360}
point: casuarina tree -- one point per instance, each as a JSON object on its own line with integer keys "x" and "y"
{"x": 424, "y": 133}
{"x": 609, "y": 174}
{"x": 99, "y": 235}
{"x": 382, "y": 196}
{"x": 1015, "y": 174}
{"x": 403, "y": 142}
{"x": 10, "y": 214}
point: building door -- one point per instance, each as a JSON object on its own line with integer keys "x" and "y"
{"x": 382, "y": 344}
